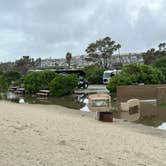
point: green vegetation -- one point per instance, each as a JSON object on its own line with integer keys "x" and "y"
{"x": 35, "y": 81}
{"x": 135, "y": 74}
{"x": 100, "y": 53}
{"x": 59, "y": 85}
{"x": 152, "y": 54}
{"x": 94, "y": 74}
{"x": 161, "y": 65}
{"x": 163, "y": 104}
{"x": 9, "y": 78}
{"x": 3, "y": 84}
{"x": 12, "y": 77}
{"x": 63, "y": 85}
{"x": 102, "y": 50}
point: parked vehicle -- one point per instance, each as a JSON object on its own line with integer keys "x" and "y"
{"x": 83, "y": 83}
{"x": 108, "y": 74}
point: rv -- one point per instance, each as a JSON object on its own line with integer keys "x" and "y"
{"x": 108, "y": 74}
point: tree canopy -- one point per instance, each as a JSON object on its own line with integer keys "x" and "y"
{"x": 101, "y": 51}
{"x": 94, "y": 74}
{"x": 151, "y": 55}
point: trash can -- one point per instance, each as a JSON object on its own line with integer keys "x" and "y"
{"x": 106, "y": 116}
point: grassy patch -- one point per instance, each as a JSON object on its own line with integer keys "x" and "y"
{"x": 163, "y": 104}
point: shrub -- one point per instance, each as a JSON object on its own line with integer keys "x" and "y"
{"x": 47, "y": 76}
{"x": 35, "y": 81}
{"x": 12, "y": 77}
{"x": 144, "y": 74}
{"x": 134, "y": 74}
{"x": 118, "y": 80}
{"x": 63, "y": 85}
{"x": 3, "y": 83}
{"x": 161, "y": 65}
{"x": 94, "y": 74}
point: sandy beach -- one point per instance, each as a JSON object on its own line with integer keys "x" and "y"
{"x": 50, "y": 135}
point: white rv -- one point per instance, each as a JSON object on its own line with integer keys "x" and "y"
{"x": 108, "y": 74}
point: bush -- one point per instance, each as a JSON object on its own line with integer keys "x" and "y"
{"x": 47, "y": 76}
{"x": 3, "y": 83}
{"x": 12, "y": 77}
{"x": 63, "y": 85}
{"x": 134, "y": 74}
{"x": 144, "y": 74}
{"x": 35, "y": 81}
{"x": 118, "y": 80}
{"x": 94, "y": 74}
{"x": 161, "y": 65}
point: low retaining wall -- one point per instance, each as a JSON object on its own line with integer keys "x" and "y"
{"x": 141, "y": 92}
{"x": 161, "y": 95}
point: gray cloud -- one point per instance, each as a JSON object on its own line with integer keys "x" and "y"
{"x": 52, "y": 27}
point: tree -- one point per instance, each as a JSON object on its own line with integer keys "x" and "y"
{"x": 24, "y": 64}
{"x": 101, "y": 51}
{"x": 162, "y": 46}
{"x": 68, "y": 58}
{"x": 118, "y": 48}
{"x": 94, "y": 74}
{"x": 152, "y": 55}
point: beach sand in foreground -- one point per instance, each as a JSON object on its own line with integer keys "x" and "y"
{"x": 50, "y": 135}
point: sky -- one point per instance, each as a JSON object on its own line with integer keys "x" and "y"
{"x": 50, "y": 28}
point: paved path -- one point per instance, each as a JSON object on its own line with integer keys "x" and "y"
{"x": 93, "y": 89}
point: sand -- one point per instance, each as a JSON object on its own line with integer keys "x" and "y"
{"x": 47, "y": 135}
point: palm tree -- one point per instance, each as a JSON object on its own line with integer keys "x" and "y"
{"x": 118, "y": 48}
{"x": 68, "y": 58}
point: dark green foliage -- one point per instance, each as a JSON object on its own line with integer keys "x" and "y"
{"x": 134, "y": 74}
{"x": 47, "y": 76}
{"x": 123, "y": 79}
{"x": 3, "y": 83}
{"x": 63, "y": 85}
{"x": 12, "y": 77}
{"x": 32, "y": 82}
{"x": 35, "y": 81}
{"x": 161, "y": 65}
{"x": 94, "y": 74}
{"x": 144, "y": 74}
{"x": 152, "y": 54}
{"x": 163, "y": 104}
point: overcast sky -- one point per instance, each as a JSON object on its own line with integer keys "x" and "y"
{"x": 50, "y": 28}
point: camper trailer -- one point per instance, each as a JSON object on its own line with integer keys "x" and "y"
{"x": 108, "y": 74}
